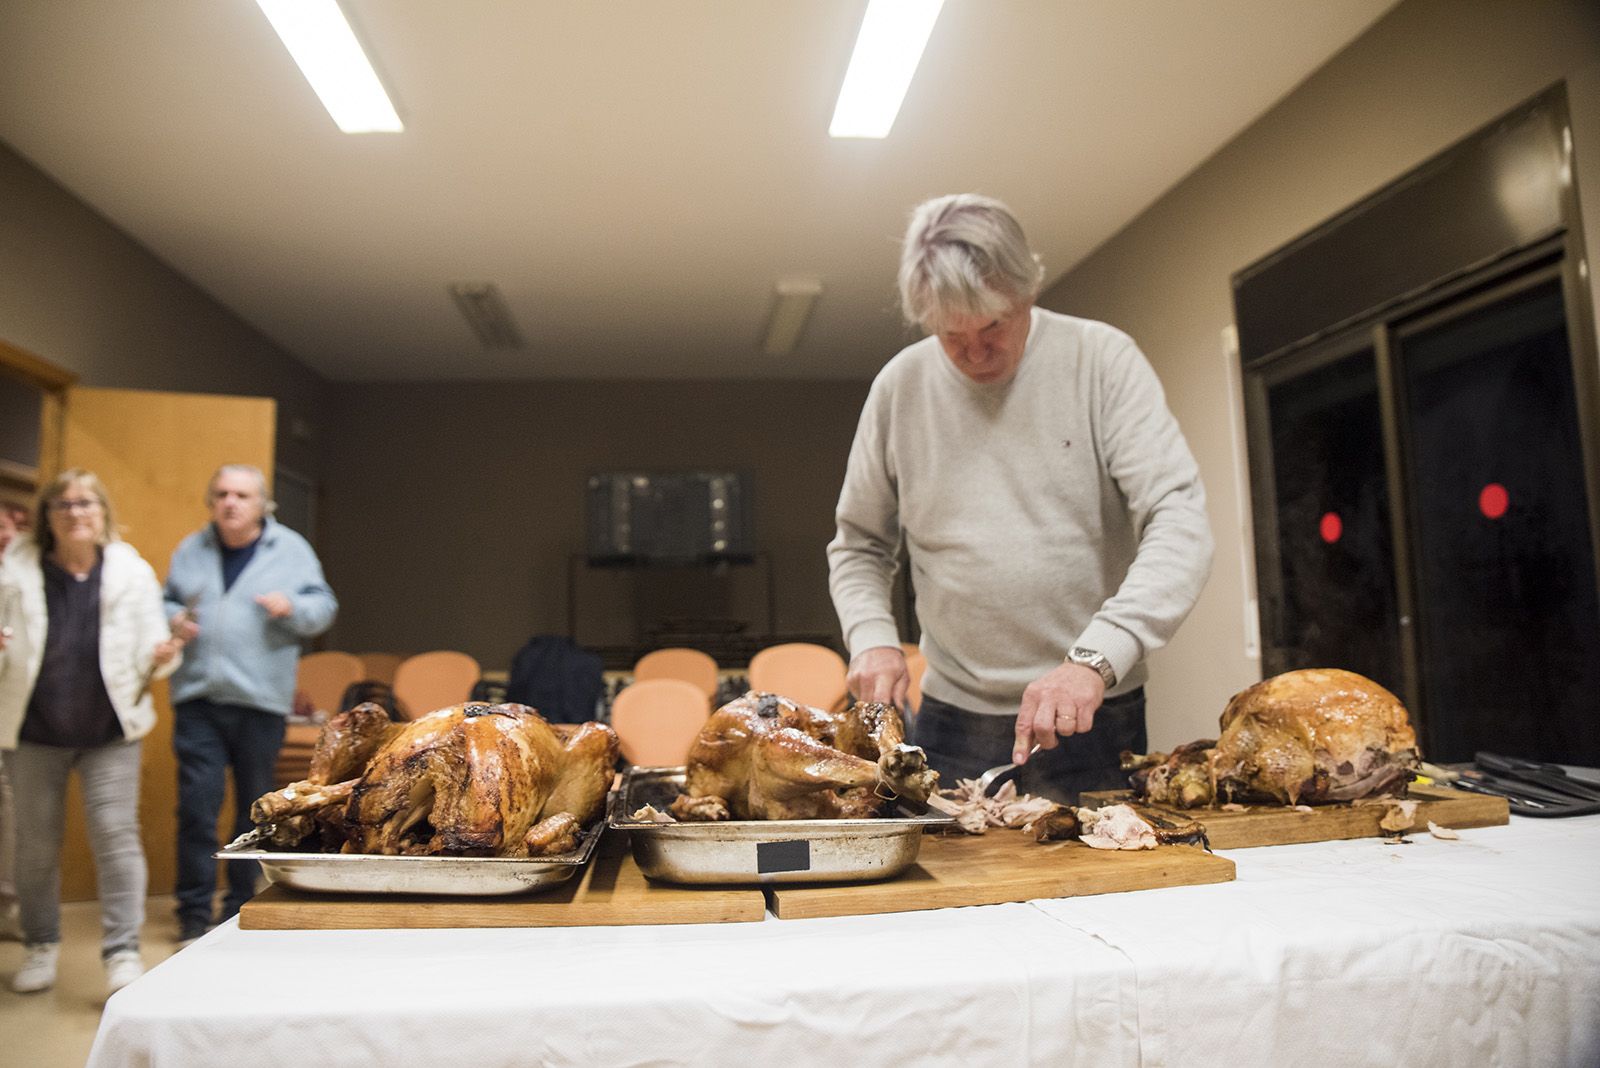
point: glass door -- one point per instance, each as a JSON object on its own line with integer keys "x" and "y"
{"x": 1329, "y": 520}
{"x": 1508, "y": 619}
{"x": 1423, "y": 518}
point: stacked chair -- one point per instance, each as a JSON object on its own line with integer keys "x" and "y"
{"x": 320, "y": 685}
{"x": 324, "y": 677}
{"x": 811, "y": 674}
{"x": 689, "y": 665}
{"x": 380, "y": 667}
{"x": 659, "y": 714}
{"x": 430, "y": 681}
{"x": 657, "y": 720}
{"x": 916, "y": 664}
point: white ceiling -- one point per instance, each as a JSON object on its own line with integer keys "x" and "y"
{"x": 634, "y": 174}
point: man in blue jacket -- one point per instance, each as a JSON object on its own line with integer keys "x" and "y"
{"x": 244, "y": 591}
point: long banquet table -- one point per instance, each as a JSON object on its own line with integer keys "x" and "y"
{"x": 1482, "y": 951}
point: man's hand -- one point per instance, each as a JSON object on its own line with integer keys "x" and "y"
{"x": 183, "y": 627}
{"x": 277, "y": 605}
{"x": 879, "y": 674}
{"x": 1062, "y": 702}
{"x": 166, "y": 651}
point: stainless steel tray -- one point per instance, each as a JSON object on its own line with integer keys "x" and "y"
{"x": 761, "y": 851}
{"x": 363, "y": 873}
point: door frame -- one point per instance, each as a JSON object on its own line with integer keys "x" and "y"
{"x": 54, "y": 382}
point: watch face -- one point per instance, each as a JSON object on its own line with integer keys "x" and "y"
{"x": 1091, "y": 659}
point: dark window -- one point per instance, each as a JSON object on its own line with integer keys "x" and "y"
{"x": 1334, "y": 543}
{"x": 1509, "y": 626}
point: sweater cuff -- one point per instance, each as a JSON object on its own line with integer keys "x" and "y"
{"x": 870, "y": 634}
{"x": 1122, "y": 649}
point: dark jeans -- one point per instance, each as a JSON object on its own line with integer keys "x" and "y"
{"x": 963, "y": 745}
{"x": 208, "y": 738}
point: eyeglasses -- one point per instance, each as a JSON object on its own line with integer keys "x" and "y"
{"x": 74, "y": 504}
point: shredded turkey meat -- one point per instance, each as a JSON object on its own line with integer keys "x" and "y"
{"x": 975, "y": 813}
{"x": 1116, "y": 827}
{"x": 650, "y": 814}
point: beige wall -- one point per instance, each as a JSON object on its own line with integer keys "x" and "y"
{"x": 452, "y": 509}
{"x": 86, "y": 297}
{"x": 1426, "y": 75}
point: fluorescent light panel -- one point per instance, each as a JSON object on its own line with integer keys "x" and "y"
{"x": 793, "y": 299}
{"x": 320, "y": 39}
{"x": 484, "y": 308}
{"x": 888, "y": 49}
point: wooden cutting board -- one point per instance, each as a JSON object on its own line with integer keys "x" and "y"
{"x": 611, "y": 891}
{"x": 1002, "y": 865}
{"x": 1264, "y": 825}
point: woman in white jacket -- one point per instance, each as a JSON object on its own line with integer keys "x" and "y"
{"x": 82, "y": 632}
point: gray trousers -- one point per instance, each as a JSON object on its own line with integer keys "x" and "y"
{"x": 109, "y": 777}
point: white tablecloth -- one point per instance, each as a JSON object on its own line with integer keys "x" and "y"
{"x": 1484, "y": 951}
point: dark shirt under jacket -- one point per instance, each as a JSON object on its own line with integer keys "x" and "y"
{"x": 234, "y": 560}
{"x": 69, "y": 707}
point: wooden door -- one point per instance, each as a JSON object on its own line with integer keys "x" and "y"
{"x": 155, "y": 453}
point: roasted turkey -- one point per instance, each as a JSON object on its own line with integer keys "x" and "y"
{"x": 765, "y": 757}
{"x": 470, "y": 780}
{"x": 1304, "y": 737}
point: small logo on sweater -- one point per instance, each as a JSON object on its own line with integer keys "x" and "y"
{"x": 1066, "y": 443}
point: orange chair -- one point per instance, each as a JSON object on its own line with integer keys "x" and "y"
{"x": 811, "y": 674}
{"x": 916, "y": 664}
{"x": 380, "y": 667}
{"x": 294, "y": 757}
{"x": 657, "y": 720}
{"x": 430, "y": 681}
{"x": 324, "y": 677}
{"x": 690, "y": 665}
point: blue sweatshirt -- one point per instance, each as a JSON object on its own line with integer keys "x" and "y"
{"x": 242, "y": 656}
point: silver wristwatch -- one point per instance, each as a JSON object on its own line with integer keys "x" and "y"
{"x": 1094, "y": 659}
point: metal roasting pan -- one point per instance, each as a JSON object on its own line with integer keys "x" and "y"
{"x": 360, "y": 873}
{"x": 761, "y": 852}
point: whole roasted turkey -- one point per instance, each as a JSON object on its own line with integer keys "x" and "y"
{"x": 469, "y": 780}
{"x": 1304, "y": 737}
{"x": 765, "y": 757}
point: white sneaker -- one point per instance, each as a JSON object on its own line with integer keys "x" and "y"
{"x": 38, "y": 971}
{"x": 122, "y": 968}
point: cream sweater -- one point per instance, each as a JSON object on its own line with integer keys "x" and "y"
{"x": 1062, "y": 508}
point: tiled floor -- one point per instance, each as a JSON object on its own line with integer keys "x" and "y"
{"x": 55, "y": 1028}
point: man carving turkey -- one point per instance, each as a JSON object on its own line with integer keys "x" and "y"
{"x": 1052, "y": 513}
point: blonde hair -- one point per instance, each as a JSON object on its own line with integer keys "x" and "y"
{"x": 46, "y": 537}
{"x": 965, "y": 254}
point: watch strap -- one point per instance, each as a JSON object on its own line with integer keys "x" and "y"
{"x": 1093, "y": 658}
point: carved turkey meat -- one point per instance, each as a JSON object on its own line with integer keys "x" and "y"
{"x": 469, "y": 780}
{"x": 1303, "y": 737}
{"x": 762, "y": 756}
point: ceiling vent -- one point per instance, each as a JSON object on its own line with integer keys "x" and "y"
{"x": 485, "y": 311}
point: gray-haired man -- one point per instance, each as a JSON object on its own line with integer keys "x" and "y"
{"x": 244, "y": 591}
{"x": 1051, "y": 510}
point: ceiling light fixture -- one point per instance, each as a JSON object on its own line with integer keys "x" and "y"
{"x": 888, "y": 49}
{"x": 792, "y": 301}
{"x": 485, "y": 311}
{"x": 319, "y": 38}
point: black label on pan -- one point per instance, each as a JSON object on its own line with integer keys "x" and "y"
{"x": 772, "y": 857}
